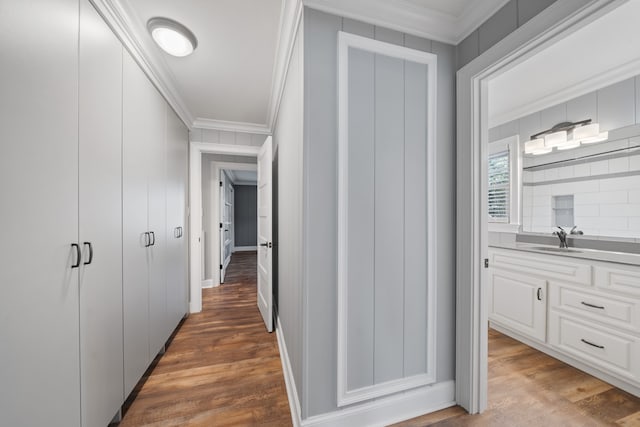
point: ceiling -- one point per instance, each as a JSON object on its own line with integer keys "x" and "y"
{"x": 228, "y": 77}
{"x": 244, "y": 177}
{"x": 599, "y": 54}
{"x": 234, "y": 78}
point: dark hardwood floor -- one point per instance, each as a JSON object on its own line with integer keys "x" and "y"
{"x": 530, "y": 389}
{"x": 222, "y": 367}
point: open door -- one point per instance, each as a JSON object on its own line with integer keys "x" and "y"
{"x": 265, "y": 297}
{"x": 226, "y": 218}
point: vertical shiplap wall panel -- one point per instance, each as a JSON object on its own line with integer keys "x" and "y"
{"x": 360, "y": 351}
{"x": 389, "y": 218}
{"x": 415, "y": 220}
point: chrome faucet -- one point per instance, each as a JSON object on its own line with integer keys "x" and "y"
{"x": 562, "y": 235}
{"x": 575, "y": 230}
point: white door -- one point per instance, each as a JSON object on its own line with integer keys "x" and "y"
{"x": 265, "y": 302}
{"x": 100, "y": 201}
{"x": 39, "y": 336}
{"x": 226, "y": 212}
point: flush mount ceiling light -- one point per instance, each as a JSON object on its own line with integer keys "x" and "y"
{"x": 172, "y": 37}
{"x": 565, "y": 136}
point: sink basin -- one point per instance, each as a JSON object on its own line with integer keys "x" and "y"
{"x": 557, "y": 250}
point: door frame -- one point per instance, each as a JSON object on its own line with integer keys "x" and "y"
{"x": 554, "y": 23}
{"x": 196, "y": 150}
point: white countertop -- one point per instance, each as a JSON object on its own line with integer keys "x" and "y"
{"x": 580, "y": 253}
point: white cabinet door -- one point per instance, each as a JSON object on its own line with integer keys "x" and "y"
{"x": 39, "y": 334}
{"x": 176, "y": 267}
{"x": 156, "y": 158}
{"x": 138, "y": 94}
{"x": 518, "y": 302}
{"x": 100, "y": 200}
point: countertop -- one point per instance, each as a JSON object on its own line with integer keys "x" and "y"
{"x": 579, "y": 253}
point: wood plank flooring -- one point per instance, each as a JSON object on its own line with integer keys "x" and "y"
{"x": 222, "y": 367}
{"x": 529, "y": 388}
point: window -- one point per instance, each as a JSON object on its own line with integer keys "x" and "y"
{"x": 503, "y": 173}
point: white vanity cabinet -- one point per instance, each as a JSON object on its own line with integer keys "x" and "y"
{"x": 585, "y": 312}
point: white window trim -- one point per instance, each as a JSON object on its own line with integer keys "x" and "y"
{"x": 511, "y": 144}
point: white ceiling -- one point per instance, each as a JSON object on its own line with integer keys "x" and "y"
{"x": 599, "y": 54}
{"x": 244, "y": 177}
{"x": 228, "y": 77}
{"x": 234, "y": 78}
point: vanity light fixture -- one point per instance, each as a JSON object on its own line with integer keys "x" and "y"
{"x": 172, "y": 37}
{"x": 565, "y": 136}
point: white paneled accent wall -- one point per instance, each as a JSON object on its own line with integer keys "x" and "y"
{"x": 386, "y": 254}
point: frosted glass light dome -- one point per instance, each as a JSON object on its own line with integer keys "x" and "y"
{"x": 172, "y": 37}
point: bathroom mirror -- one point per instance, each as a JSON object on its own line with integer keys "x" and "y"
{"x": 576, "y": 120}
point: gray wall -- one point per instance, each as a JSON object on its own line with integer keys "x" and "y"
{"x": 320, "y": 217}
{"x": 511, "y": 16}
{"x": 245, "y": 219}
{"x": 287, "y": 139}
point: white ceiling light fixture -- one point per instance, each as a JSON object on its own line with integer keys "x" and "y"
{"x": 565, "y": 136}
{"x": 172, "y": 37}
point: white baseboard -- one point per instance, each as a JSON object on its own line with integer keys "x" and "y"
{"x": 206, "y": 284}
{"x": 389, "y": 410}
{"x": 292, "y": 394}
{"x": 245, "y": 248}
{"x": 379, "y": 412}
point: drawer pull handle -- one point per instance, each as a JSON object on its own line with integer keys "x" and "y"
{"x": 591, "y": 344}
{"x": 592, "y": 306}
{"x": 539, "y": 294}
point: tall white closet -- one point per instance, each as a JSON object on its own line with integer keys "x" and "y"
{"x": 39, "y": 319}
{"x": 93, "y": 172}
{"x": 100, "y": 226}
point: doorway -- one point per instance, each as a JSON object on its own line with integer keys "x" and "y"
{"x": 238, "y": 215}
{"x": 559, "y": 22}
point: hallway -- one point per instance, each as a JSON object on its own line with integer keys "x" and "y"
{"x": 222, "y": 368}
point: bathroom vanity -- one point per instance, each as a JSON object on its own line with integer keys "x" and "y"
{"x": 581, "y": 306}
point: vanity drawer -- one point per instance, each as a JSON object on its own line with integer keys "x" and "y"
{"x": 613, "y": 351}
{"x": 548, "y": 266}
{"x": 622, "y": 279}
{"x": 619, "y": 312}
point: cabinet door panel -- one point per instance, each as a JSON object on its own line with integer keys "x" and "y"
{"x": 100, "y": 218}
{"x": 156, "y": 157}
{"x": 39, "y": 350}
{"x": 518, "y": 302}
{"x": 138, "y": 94}
{"x": 177, "y": 153}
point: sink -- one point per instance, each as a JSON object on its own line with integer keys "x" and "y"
{"x": 557, "y": 250}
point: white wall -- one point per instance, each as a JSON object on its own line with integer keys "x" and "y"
{"x": 287, "y": 138}
{"x": 214, "y": 136}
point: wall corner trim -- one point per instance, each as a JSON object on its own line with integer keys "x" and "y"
{"x": 289, "y": 380}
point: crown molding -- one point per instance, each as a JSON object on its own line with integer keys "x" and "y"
{"x": 412, "y": 18}
{"x": 290, "y": 18}
{"x": 475, "y": 14}
{"x": 122, "y": 21}
{"x": 261, "y": 129}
